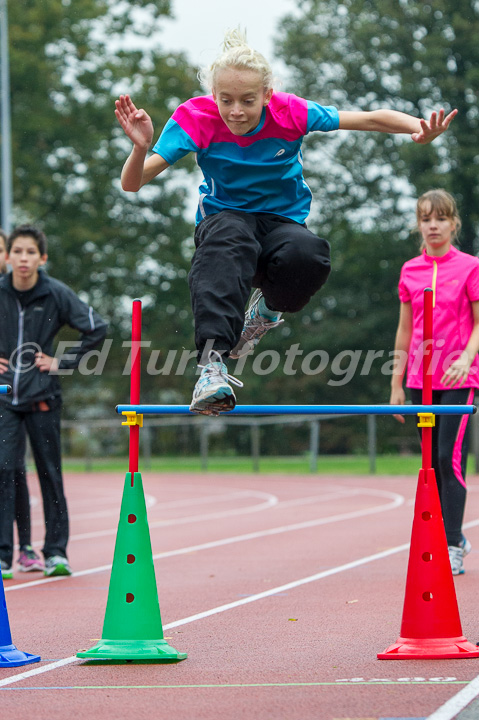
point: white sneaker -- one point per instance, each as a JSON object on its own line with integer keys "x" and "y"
{"x": 213, "y": 393}
{"x": 255, "y": 326}
{"x": 456, "y": 556}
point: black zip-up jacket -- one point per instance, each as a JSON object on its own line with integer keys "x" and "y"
{"x": 32, "y": 329}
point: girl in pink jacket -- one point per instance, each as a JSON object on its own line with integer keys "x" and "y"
{"x": 454, "y": 279}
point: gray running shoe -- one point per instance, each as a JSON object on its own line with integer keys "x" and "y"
{"x": 213, "y": 393}
{"x": 57, "y": 565}
{"x": 255, "y": 326}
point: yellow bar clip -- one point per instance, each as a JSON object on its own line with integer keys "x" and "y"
{"x": 132, "y": 418}
{"x": 426, "y": 419}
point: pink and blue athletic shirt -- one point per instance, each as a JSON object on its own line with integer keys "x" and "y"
{"x": 261, "y": 171}
{"x": 454, "y": 279}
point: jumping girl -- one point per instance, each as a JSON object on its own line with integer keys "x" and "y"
{"x": 253, "y": 201}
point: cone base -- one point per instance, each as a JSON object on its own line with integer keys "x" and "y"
{"x": 11, "y": 657}
{"x": 434, "y": 648}
{"x": 153, "y": 650}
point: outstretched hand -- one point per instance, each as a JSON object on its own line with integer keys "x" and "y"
{"x": 436, "y": 126}
{"x": 136, "y": 124}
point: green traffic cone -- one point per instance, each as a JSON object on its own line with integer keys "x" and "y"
{"x": 132, "y": 628}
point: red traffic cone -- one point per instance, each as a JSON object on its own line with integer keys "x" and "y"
{"x": 431, "y": 627}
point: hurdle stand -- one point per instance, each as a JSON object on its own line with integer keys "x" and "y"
{"x": 431, "y": 626}
{"x": 432, "y": 635}
{"x": 119, "y": 648}
{"x": 132, "y": 628}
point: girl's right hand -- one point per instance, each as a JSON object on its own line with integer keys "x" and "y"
{"x": 398, "y": 397}
{"x": 136, "y": 124}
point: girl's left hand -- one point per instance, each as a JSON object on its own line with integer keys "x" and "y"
{"x": 457, "y": 373}
{"x": 436, "y": 126}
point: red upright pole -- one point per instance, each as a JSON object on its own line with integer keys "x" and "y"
{"x": 427, "y": 376}
{"x": 135, "y": 374}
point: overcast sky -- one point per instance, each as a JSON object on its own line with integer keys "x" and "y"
{"x": 199, "y": 27}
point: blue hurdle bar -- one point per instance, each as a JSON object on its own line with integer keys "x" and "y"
{"x": 307, "y": 409}
{"x": 5, "y": 389}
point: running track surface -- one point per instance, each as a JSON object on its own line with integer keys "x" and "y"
{"x": 281, "y": 589}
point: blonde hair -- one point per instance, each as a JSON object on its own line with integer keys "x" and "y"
{"x": 239, "y": 55}
{"x": 442, "y": 203}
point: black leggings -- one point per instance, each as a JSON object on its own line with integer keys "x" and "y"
{"x": 450, "y": 444}
{"x": 43, "y": 428}
{"x": 236, "y": 251}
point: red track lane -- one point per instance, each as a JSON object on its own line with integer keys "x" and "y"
{"x": 307, "y": 651}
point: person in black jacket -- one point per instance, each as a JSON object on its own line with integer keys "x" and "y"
{"x": 28, "y": 559}
{"x": 33, "y": 308}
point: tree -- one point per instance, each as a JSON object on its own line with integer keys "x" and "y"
{"x": 69, "y": 60}
{"x": 407, "y": 55}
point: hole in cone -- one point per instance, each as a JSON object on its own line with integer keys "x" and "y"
{"x": 130, "y": 559}
{"x": 427, "y": 596}
{"x": 426, "y": 515}
{"x": 129, "y": 597}
{"x": 427, "y": 556}
{"x": 131, "y": 518}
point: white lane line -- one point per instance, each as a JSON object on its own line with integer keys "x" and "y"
{"x": 204, "y": 499}
{"x": 151, "y": 501}
{"x": 396, "y": 501}
{"x": 224, "y": 608}
{"x": 289, "y": 586}
{"x": 268, "y": 502}
{"x": 37, "y": 671}
{"x": 272, "y": 501}
{"x": 314, "y": 499}
{"x": 458, "y": 702}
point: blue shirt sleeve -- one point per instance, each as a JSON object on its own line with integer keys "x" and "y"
{"x": 320, "y": 117}
{"x": 174, "y": 143}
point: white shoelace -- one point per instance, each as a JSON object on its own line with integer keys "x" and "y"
{"x": 215, "y": 357}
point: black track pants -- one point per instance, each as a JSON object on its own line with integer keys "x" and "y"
{"x": 236, "y": 251}
{"x": 43, "y": 428}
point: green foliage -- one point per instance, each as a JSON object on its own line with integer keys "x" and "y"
{"x": 410, "y": 56}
